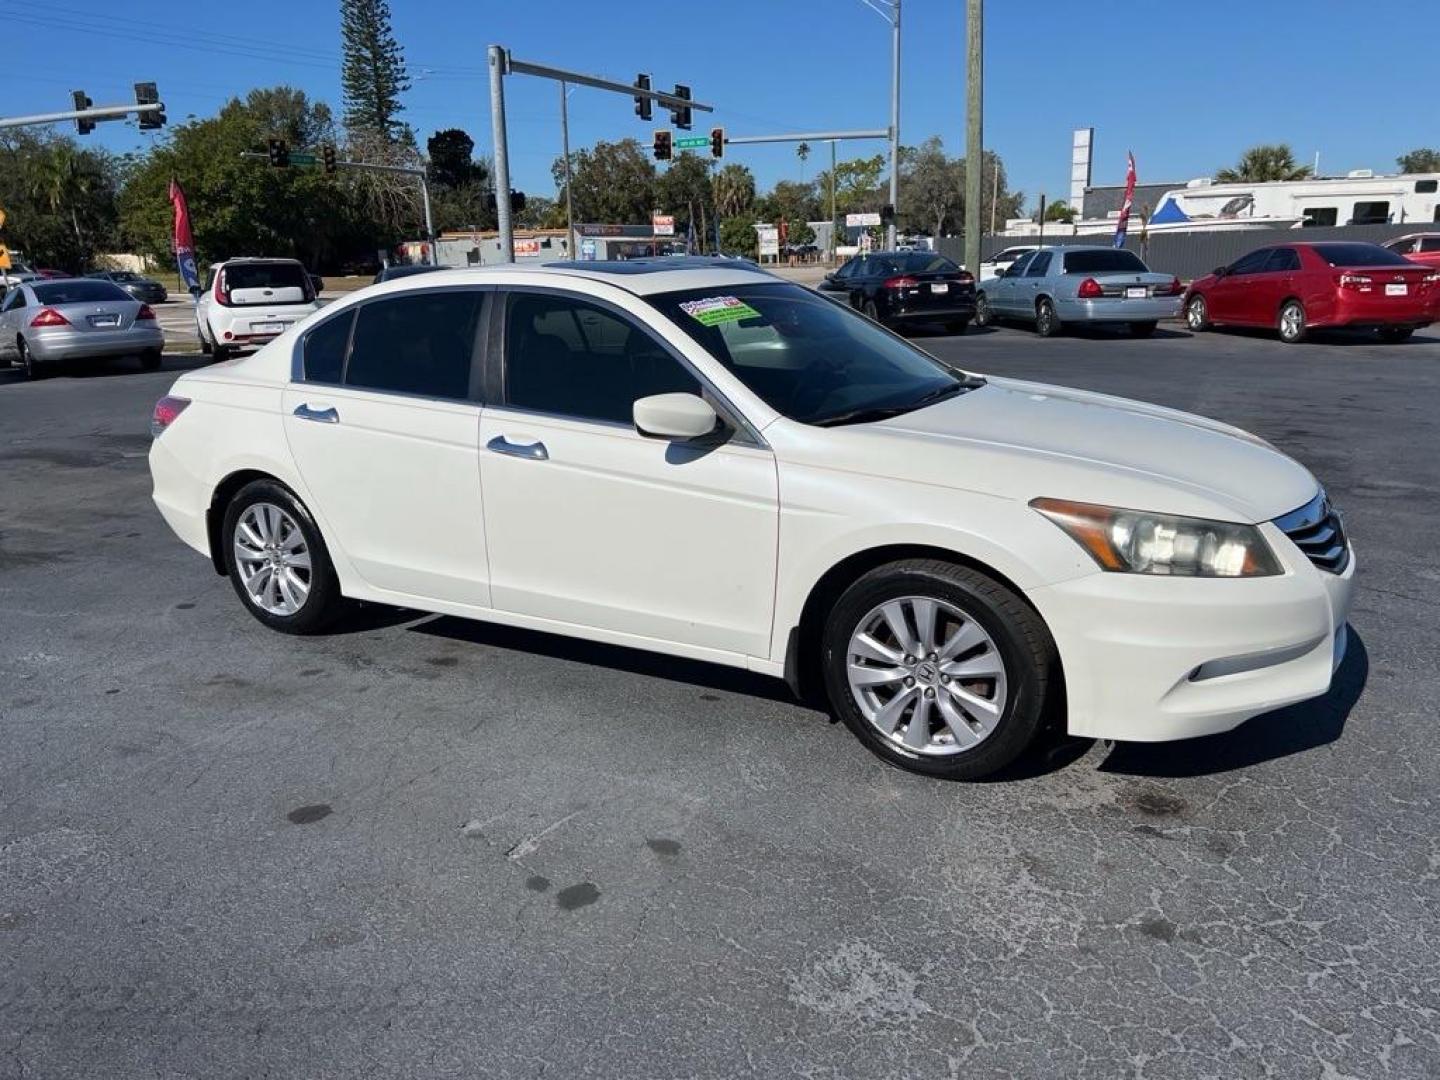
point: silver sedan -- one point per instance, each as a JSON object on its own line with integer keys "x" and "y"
{"x": 44, "y": 323}
{"x": 1059, "y": 285}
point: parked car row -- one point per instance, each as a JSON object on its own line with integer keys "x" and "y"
{"x": 1292, "y": 287}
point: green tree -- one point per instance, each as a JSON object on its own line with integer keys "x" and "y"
{"x": 789, "y": 200}
{"x": 799, "y": 232}
{"x": 737, "y": 236}
{"x": 244, "y": 207}
{"x": 613, "y": 183}
{"x": 1265, "y": 163}
{"x": 931, "y": 187}
{"x": 1422, "y": 160}
{"x": 1060, "y": 210}
{"x": 734, "y": 190}
{"x": 372, "y": 73}
{"x": 684, "y": 189}
{"x": 857, "y": 184}
{"x": 452, "y": 159}
{"x": 59, "y": 198}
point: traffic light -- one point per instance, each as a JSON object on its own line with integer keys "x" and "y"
{"x": 327, "y": 156}
{"x": 517, "y": 201}
{"x": 717, "y": 142}
{"x": 681, "y": 114}
{"x": 643, "y": 105}
{"x": 83, "y": 126}
{"x": 663, "y": 144}
{"x": 146, "y": 93}
{"x": 279, "y": 153}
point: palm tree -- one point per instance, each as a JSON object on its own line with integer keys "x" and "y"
{"x": 802, "y": 152}
{"x": 734, "y": 190}
{"x": 61, "y": 179}
{"x": 1265, "y": 163}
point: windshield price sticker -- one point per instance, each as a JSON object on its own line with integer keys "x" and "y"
{"x": 718, "y": 309}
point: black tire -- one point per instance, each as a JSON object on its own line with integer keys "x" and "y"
{"x": 958, "y": 326}
{"x": 150, "y": 360}
{"x": 323, "y": 603}
{"x": 1047, "y": 323}
{"x": 1143, "y": 329}
{"x": 1020, "y": 637}
{"x": 32, "y": 368}
{"x": 1290, "y": 323}
{"x": 205, "y": 347}
{"x": 872, "y": 312}
{"x": 219, "y": 354}
{"x": 1393, "y": 335}
{"x": 1197, "y": 314}
{"x": 984, "y": 313}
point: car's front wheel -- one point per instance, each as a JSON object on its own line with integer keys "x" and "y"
{"x": 1197, "y": 315}
{"x": 277, "y": 560}
{"x": 938, "y": 668}
{"x": 984, "y": 314}
{"x": 1292, "y": 322}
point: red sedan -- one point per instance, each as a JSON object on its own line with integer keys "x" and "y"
{"x": 1422, "y": 248}
{"x": 1301, "y": 287}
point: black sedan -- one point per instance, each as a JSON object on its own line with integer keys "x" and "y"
{"x": 146, "y": 290}
{"x": 899, "y": 287}
{"x": 390, "y": 273}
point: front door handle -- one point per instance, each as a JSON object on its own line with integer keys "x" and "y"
{"x": 323, "y": 416}
{"x": 533, "y": 451}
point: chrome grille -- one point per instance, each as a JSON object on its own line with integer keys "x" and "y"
{"x": 1317, "y": 530}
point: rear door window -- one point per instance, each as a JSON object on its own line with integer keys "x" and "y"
{"x": 420, "y": 343}
{"x": 1282, "y": 260}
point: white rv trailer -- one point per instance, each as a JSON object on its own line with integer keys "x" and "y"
{"x": 1359, "y": 198}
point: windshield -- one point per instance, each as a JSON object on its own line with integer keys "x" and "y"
{"x": 807, "y": 357}
{"x": 124, "y": 275}
{"x": 1359, "y": 255}
{"x": 1103, "y": 262}
{"x": 78, "y": 292}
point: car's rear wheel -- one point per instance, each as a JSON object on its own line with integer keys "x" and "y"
{"x": 1197, "y": 314}
{"x": 1143, "y": 329}
{"x": 872, "y": 312}
{"x": 1047, "y": 323}
{"x": 984, "y": 314}
{"x": 28, "y": 364}
{"x": 205, "y": 347}
{"x": 150, "y": 360}
{"x": 1291, "y": 323}
{"x": 938, "y": 669}
{"x": 1393, "y": 335}
{"x": 277, "y": 560}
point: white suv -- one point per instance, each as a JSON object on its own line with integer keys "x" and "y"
{"x": 246, "y": 302}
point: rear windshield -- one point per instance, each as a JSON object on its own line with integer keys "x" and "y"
{"x": 267, "y": 276}
{"x": 1102, "y": 262}
{"x": 79, "y": 292}
{"x": 916, "y": 262}
{"x": 1359, "y": 255}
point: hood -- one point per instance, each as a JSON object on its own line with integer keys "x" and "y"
{"x": 1022, "y": 440}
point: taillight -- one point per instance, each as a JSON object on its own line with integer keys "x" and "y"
{"x": 222, "y": 290}
{"x": 166, "y": 411}
{"x": 1432, "y": 278}
{"x": 1356, "y": 282}
{"x": 1089, "y": 289}
{"x": 964, "y": 276}
{"x": 49, "y": 317}
{"x": 145, "y": 312}
{"x": 1175, "y": 288}
{"x": 901, "y": 283}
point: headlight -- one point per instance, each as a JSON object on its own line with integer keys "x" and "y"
{"x": 1134, "y": 542}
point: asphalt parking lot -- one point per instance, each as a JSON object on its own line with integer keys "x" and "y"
{"x": 425, "y": 847}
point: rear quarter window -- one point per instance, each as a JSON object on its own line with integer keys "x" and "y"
{"x": 325, "y": 348}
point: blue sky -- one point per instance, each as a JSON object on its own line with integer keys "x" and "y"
{"x": 1187, "y": 87}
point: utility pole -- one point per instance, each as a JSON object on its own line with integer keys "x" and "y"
{"x": 974, "y": 133}
{"x": 502, "y": 63}
{"x": 834, "y": 225}
{"x": 894, "y": 121}
{"x": 565, "y": 140}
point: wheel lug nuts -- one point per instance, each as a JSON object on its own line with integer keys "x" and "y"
{"x": 909, "y": 659}
{"x": 909, "y": 680}
{"x": 944, "y": 680}
{"x": 932, "y": 658}
{"x": 929, "y": 691}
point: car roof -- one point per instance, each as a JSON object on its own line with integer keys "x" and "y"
{"x": 258, "y": 259}
{"x": 643, "y": 277}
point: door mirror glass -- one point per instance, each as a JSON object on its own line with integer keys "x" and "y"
{"x": 1221, "y": 271}
{"x": 674, "y": 416}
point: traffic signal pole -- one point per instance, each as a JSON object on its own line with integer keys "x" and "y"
{"x": 101, "y": 112}
{"x": 502, "y": 64}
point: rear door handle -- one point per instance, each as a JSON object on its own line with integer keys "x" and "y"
{"x": 322, "y": 416}
{"x": 533, "y": 451}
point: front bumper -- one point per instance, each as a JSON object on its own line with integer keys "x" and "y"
{"x": 1118, "y": 309}
{"x": 58, "y": 345}
{"x": 1150, "y": 659}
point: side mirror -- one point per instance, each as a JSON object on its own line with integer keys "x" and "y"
{"x": 1220, "y": 271}
{"x": 674, "y": 416}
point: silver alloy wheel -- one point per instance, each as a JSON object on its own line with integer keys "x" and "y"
{"x": 982, "y": 310}
{"x": 273, "y": 559}
{"x": 1044, "y": 318}
{"x": 27, "y": 362}
{"x": 926, "y": 675}
{"x": 1195, "y": 313}
{"x": 1292, "y": 321}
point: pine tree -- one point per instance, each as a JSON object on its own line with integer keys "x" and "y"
{"x": 373, "y": 73}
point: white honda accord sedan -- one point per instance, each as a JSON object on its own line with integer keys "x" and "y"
{"x": 700, "y": 459}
